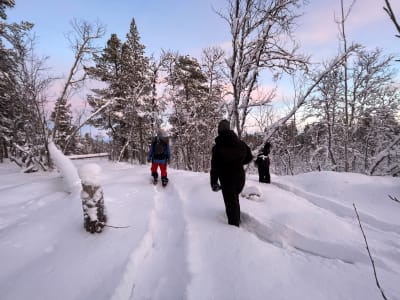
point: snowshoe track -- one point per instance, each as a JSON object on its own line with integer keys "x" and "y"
{"x": 157, "y": 267}
{"x": 285, "y": 237}
{"x": 339, "y": 209}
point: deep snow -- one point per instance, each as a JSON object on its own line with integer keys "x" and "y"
{"x": 299, "y": 240}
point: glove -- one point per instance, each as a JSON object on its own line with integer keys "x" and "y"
{"x": 148, "y": 160}
{"x": 216, "y": 187}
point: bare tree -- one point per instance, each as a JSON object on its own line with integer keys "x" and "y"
{"x": 33, "y": 85}
{"x": 341, "y": 23}
{"x": 392, "y": 16}
{"x": 304, "y": 96}
{"x": 81, "y": 42}
{"x": 29, "y": 148}
{"x": 261, "y": 35}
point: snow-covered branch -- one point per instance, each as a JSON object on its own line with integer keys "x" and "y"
{"x": 382, "y": 155}
{"x": 66, "y": 168}
{"x": 304, "y": 97}
{"x": 104, "y": 106}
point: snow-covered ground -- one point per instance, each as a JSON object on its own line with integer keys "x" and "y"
{"x": 299, "y": 240}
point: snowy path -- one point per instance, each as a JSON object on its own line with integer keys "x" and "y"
{"x": 294, "y": 242}
{"x": 157, "y": 268}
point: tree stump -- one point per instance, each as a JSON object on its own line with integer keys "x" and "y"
{"x": 94, "y": 214}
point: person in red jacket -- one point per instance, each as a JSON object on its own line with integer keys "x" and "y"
{"x": 229, "y": 154}
{"x": 159, "y": 156}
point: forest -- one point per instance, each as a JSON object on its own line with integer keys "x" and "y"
{"x": 344, "y": 117}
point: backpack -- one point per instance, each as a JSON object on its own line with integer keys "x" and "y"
{"x": 160, "y": 149}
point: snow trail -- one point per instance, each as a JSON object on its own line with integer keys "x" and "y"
{"x": 340, "y": 210}
{"x": 157, "y": 267}
{"x": 285, "y": 237}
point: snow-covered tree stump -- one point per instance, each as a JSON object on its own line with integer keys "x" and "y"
{"x": 94, "y": 214}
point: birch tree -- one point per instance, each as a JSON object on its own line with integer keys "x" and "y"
{"x": 261, "y": 40}
{"x": 81, "y": 40}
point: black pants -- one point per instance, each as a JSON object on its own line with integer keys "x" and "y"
{"x": 263, "y": 173}
{"x": 232, "y": 206}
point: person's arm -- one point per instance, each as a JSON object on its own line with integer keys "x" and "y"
{"x": 249, "y": 155}
{"x": 168, "y": 152}
{"x": 214, "y": 169}
{"x": 150, "y": 155}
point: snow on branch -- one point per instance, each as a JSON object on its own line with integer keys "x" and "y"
{"x": 381, "y": 155}
{"x": 66, "y": 168}
{"x": 104, "y": 106}
{"x": 303, "y": 98}
{"x": 83, "y": 156}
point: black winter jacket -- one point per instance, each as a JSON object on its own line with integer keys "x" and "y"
{"x": 229, "y": 154}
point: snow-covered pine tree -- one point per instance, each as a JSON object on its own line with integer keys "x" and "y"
{"x": 108, "y": 70}
{"x": 136, "y": 80}
{"x": 194, "y": 116}
{"x": 125, "y": 69}
{"x": 22, "y": 124}
{"x": 63, "y": 127}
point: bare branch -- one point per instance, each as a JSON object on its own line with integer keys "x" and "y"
{"x": 392, "y": 16}
{"x": 304, "y": 97}
{"x": 369, "y": 253}
{"x": 82, "y": 45}
{"x": 394, "y": 199}
{"x": 68, "y": 139}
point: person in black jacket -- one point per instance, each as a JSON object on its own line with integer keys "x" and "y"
{"x": 229, "y": 154}
{"x": 262, "y": 162}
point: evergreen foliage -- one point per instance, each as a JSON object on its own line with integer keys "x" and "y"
{"x": 125, "y": 69}
{"x": 195, "y": 114}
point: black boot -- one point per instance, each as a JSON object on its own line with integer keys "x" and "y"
{"x": 155, "y": 177}
{"x": 164, "y": 180}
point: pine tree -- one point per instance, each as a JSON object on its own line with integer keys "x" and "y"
{"x": 22, "y": 125}
{"x": 194, "y": 114}
{"x": 7, "y": 84}
{"x": 108, "y": 70}
{"x": 125, "y": 69}
{"x": 64, "y": 127}
{"x": 137, "y": 86}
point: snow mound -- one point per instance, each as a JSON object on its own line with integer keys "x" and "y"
{"x": 252, "y": 192}
{"x": 90, "y": 174}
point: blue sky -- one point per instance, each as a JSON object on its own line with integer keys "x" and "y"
{"x": 188, "y": 26}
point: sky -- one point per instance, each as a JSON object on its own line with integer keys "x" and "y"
{"x": 299, "y": 237}
{"x": 189, "y": 26}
